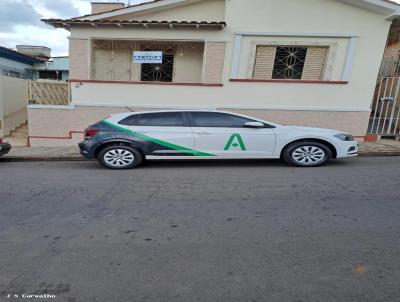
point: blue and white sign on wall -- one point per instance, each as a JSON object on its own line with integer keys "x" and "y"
{"x": 147, "y": 57}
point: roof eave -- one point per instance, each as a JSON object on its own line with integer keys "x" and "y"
{"x": 383, "y": 7}
{"x": 394, "y": 16}
{"x": 20, "y": 57}
{"x": 58, "y": 23}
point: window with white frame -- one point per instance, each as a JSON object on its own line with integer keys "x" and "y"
{"x": 290, "y": 62}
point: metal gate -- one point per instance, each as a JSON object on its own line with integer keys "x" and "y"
{"x": 385, "y": 117}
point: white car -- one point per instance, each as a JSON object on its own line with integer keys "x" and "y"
{"x": 124, "y": 140}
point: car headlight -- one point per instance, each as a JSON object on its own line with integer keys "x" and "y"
{"x": 345, "y": 137}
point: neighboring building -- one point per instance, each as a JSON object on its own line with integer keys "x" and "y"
{"x": 16, "y": 64}
{"x": 55, "y": 69}
{"x": 17, "y": 67}
{"x": 305, "y": 62}
{"x": 33, "y": 63}
{"x": 40, "y": 52}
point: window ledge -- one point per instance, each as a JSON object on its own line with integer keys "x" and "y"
{"x": 146, "y": 83}
{"x": 289, "y": 81}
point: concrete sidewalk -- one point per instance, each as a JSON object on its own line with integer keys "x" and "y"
{"x": 43, "y": 154}
{"x": 381, "y": 148}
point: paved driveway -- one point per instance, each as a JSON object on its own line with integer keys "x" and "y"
{"x": 201, "y": 231}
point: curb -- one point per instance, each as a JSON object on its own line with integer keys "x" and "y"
{"x": 379, "y": 154}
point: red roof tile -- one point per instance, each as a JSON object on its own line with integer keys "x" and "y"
{"x": 68, "y": 22}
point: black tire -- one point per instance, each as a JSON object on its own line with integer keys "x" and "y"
{"x": 119, "y": 157}
{"x": 307, "y": 154}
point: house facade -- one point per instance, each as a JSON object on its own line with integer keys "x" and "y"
{"x": 306, "y": 62}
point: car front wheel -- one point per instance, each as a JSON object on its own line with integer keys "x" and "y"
{"x": 120, "y": 157}
{"x": 307, "y": 154}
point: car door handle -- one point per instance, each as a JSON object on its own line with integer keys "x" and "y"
{"x": 203, "y": 133}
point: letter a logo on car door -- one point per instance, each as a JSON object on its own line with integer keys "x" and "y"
{"x": 235, "y": 141}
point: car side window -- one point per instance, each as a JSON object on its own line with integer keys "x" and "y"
{"x": 158, "y": 119}
{"x": 217, "y": 119}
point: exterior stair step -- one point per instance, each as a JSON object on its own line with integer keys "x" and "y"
{"x": 16, "y": 141}
{"x": 18, "y": 133}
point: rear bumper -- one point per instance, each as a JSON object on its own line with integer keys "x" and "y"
{"x": 85, "y": 149}
{"x": 4, "y": 148}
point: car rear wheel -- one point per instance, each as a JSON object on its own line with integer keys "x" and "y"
{"x": 307, "y": 154}
{"x": 120, "y": 157}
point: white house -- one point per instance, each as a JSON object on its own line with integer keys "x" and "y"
{"x": 305, "y": 62}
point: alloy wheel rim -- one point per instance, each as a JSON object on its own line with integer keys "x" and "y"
{"x": 308, "y": 155}
{"x": 119, "y": 157}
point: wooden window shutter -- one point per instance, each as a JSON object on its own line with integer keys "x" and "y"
{"x": 264, "y": 64}
{"x": 214, "y": 62}
{"x": 315, "y": 63}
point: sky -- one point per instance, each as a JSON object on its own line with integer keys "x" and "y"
{"x": 20, "y": 21}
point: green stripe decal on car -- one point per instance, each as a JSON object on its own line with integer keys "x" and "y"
{"x": 158, "y": 141}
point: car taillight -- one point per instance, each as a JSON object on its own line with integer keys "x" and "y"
{"x": 1, "y": 140}
{"x": 90, "y": 133}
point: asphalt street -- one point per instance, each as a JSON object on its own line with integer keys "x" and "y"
{"x": 234, "y": 231}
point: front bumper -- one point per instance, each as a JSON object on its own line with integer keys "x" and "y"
{"x": 347, "y": 149}
{"x": 4, "y": 148}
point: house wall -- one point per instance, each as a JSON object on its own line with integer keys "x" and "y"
{"x": 65, "y": 123}
{"x": 79, "y": 58}
{"x": 68, "y": 123}
{"x": 211, "y": 10}
{"x": 330, "y": 17}
{"x": 57, "y": 63}
{"x": 346, "y": 29}
{"x": 13, "y": 102}
{"x": 188, "y": 66}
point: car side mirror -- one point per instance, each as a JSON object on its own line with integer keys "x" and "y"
{"x": 254, "y": 125}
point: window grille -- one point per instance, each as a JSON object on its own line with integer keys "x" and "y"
{"x": 290, "y": 62}
{"x": 112, "y": 59}
{"x": 159, "y": 72}
{"x": 16, "y": 72}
